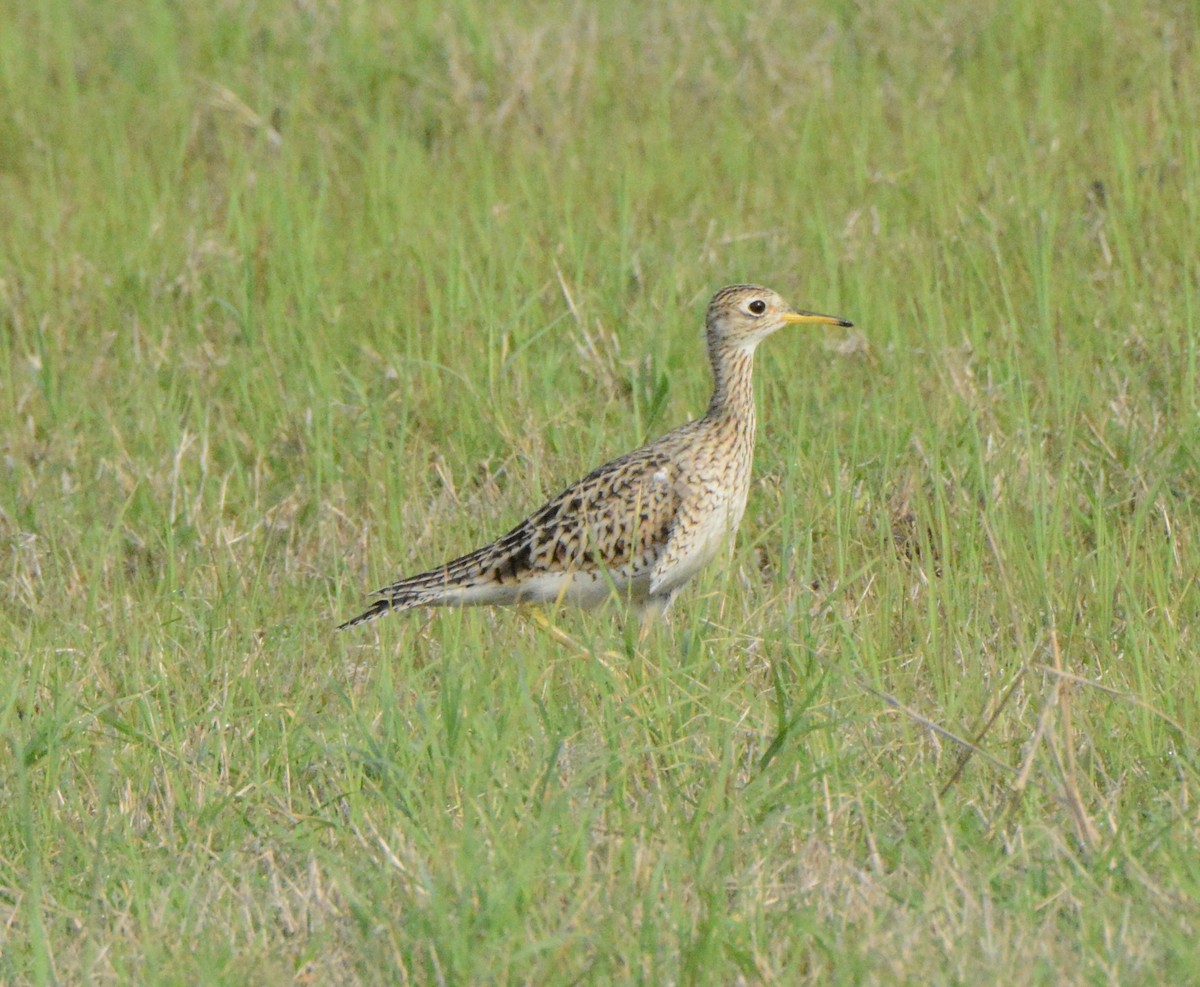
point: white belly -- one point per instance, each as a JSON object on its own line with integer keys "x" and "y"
{"x": 577, "y": 589}
{"x": 698, "y": 544}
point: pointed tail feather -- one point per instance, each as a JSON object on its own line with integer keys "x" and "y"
{"x": 396, "y": 597}
{"x": 376, "y": 609}
{"x": 435, "y": 588}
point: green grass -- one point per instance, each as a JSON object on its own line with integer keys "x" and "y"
{"x": 298, "y": 297}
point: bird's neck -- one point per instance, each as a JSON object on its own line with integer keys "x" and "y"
{"x": 733, "y": 391}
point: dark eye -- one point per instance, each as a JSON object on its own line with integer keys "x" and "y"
{"x": 757, "y": 307}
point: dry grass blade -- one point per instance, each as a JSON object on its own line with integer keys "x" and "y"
{"x": 965, "y": 756}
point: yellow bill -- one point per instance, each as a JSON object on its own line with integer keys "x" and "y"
{"x": 811, "y": 318}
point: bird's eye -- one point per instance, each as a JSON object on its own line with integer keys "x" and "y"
{"x": 757, "y": 307}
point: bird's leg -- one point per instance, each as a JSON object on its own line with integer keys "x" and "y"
{"x": 536, "y": 616}
{"x": 649, "y": 612}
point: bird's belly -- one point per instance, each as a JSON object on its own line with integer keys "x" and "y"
{"x": 710, "y": 532}
{"x": 579, "y": 588}
{"x": 703, "y": 548}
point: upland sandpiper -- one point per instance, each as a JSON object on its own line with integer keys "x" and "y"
{"x": 641, "y": 526}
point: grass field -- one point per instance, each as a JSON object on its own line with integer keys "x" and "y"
{"x": 299, "y": 297}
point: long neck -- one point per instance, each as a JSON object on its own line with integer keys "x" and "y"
{"x": 733, "y": 393}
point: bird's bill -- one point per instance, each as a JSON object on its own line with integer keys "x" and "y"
{"x": 811, "y": 318}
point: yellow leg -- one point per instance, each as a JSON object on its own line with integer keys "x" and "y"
{"x": 650, "y": 612}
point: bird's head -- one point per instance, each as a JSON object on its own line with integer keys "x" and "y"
{"x": 742, "y": 315}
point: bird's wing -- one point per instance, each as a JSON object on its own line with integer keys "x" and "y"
{"x": 618, "y": 520}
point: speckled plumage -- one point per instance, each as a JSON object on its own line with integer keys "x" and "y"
{"x": 642, "y": 525}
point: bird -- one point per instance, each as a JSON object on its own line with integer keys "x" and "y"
{"x": 643, "y": 524}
